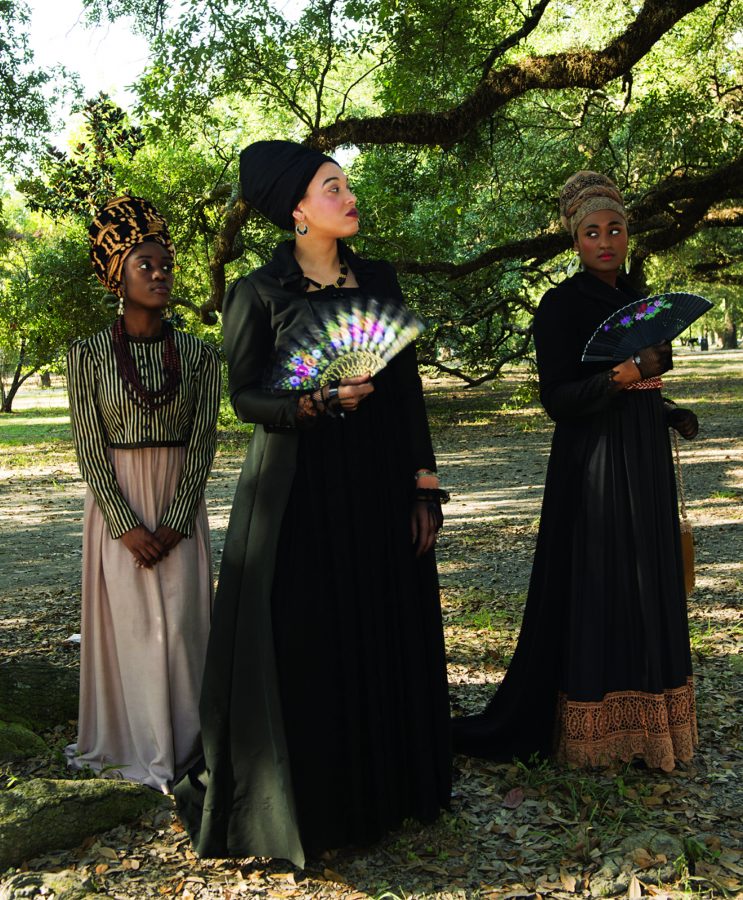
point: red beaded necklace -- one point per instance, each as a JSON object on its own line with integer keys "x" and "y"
{"x": 142, "y": 396}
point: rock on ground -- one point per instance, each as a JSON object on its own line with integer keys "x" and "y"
{"x": 18, "y": 742}
{"x": 43, "y": 814}
{"x": 37, "y": 692}
{"x": 60, "y": 885}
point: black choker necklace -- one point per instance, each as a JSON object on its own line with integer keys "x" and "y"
{"x": 339, "y": 281}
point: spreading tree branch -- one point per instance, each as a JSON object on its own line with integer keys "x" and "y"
{"x": 657, "y": 224}
{"x": 685, "y": 203}
{"x": 653, "y": 217}
{"x": 662, "y": 218}
{"x": 541, "y": 247}
{"x": 571, "y": 69}
{"x": 530, "y": 23}
{"x": 517, "y": 352}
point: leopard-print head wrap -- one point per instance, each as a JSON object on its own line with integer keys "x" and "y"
{"x": 117, "y": 229}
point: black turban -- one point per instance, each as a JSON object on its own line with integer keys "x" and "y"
{"x": 117, "y": 229}
{"x": 274, "y": 176}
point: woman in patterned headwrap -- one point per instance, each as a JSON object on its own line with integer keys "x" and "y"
{"x": 144, "y": 399}
{"x": 602, "y": 669}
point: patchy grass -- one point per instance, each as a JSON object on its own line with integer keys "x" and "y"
{"x": 42, "y": 436}
{"x": 514, "y": 830}
{"x": 30, "y": 427}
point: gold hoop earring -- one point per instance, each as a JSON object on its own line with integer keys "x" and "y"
{"x": 120, "y": 308}
{"x": 573, "y": 266}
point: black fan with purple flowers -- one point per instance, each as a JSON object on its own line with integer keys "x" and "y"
{"x": 643, "y": 323}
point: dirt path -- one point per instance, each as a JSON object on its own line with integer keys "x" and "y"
{"x": 561, "y": 834}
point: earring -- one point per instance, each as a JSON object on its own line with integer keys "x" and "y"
{"x": 167, "y": 313}
{"x": 301, "y": 228}
{"x": 120, "y": 308}
{"x": 627, "y": 264}
{"x": 573, "y": 266}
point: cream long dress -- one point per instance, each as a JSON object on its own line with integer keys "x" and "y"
{"x": 144, "y": 631}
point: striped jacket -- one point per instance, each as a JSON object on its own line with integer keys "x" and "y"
{"x": 104, "y": 415}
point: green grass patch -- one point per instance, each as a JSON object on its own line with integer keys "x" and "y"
{"x": 35, "y": 426}
{"x": 527, "y": 421}
{"x": 592, "y": 808}
{"x": 703, "y": 634}
{"x": 482, "y": 609}
{"x": 726, "y": 495}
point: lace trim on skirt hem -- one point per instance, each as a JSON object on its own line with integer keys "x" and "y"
{"x": 660, "y": 728}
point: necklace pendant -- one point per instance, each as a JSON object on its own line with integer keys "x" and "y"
{"x": 339, "y": 281}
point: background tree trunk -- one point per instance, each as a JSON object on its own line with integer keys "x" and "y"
{"x": 730, "y": 329}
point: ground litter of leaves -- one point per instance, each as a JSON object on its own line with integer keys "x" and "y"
{"x": 515, "y": 830}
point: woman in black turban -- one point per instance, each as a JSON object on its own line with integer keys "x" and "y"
{"x": 324, "y": 707}
{"x": 602, "y": 669}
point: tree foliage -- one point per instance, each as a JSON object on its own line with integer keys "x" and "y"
{"x": 469, "y": 116}
{"x": 27, "y": 94}
{"x": 48, "y": 299}
{"x": 110, "y": 157}
{"x": 78, "y": 182}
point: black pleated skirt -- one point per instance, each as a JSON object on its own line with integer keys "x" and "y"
{"x": 358, "y": 638}
{"x": 602, "y": 668}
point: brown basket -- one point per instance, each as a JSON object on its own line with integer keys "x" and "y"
{"x": 687, "y": 535}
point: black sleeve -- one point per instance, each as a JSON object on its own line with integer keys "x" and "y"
{"x": 566, "y": 393}
{"x": 248, "y": 345}
{"x": 410, "y": 388}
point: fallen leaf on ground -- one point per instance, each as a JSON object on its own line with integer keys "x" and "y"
{"x": 641, "y": 858}
{"x": 568, "y": 881}
{"x": 331, "y": 875}
{"x": 284, "y": 876}
{"x": 514, "y": 798}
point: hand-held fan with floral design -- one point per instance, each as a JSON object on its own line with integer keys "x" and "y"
{"x": 346, "y": 340}
{"x": 643, "y": 323}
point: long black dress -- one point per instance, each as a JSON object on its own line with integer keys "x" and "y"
{"x": 602, "y": 668}
{"x": 325, "y": 716}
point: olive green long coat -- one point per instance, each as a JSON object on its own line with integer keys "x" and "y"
{"x": 240, "y": 802}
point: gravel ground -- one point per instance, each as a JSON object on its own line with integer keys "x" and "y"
{"x": 513, "y": 831}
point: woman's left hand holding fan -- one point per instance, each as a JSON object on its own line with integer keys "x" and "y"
{"x": 353, "y": 390}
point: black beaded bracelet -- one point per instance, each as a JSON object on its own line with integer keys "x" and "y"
{"x": 428, "y": 495}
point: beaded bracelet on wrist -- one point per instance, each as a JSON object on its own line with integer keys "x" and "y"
{"x": 432, "y": 495}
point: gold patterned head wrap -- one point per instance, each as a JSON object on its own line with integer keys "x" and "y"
{"x": 585, "y": 193}
{"x": 117, "y": 229}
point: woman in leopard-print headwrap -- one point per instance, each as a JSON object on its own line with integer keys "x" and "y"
{"x": 144, "y": 399}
